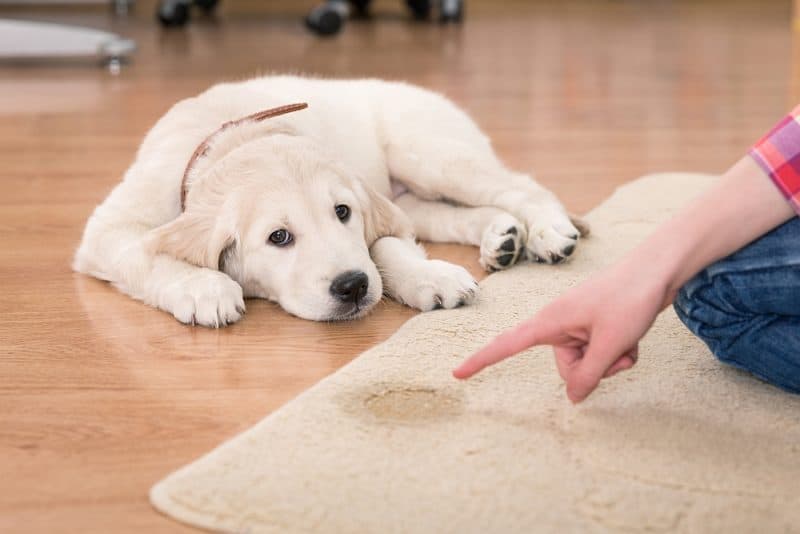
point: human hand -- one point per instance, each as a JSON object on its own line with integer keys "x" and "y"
{"x": 594, "y": 329}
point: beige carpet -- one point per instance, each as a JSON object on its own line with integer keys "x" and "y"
{"x": 392, "y": 443}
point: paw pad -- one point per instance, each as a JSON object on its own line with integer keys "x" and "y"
{"x": 551, "y": 240}
{"x": 502, "y": 244}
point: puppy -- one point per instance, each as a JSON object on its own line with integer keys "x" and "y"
{"x": 234, "y": 194}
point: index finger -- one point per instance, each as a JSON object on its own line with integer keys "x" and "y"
{"x": 531, "y": 332}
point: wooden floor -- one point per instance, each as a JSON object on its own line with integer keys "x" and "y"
{"x": 101, "y": 396}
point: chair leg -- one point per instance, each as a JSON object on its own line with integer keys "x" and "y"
{"x": 22, "y": 41}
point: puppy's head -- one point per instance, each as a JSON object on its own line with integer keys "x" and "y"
{"x": 286, "y": 222}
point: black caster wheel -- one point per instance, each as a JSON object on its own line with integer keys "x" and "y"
{"x": 206, "y": 5}
{"x": 327, "y": 19}
{"x": 173, "y": 14}
{"x": 420, "y": 9}
{"x": 451, "y": 11}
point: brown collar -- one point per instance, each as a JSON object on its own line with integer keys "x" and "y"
{"x": 202, "y": 149}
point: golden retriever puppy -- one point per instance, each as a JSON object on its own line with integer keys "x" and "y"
{"x": 236, "y": 194}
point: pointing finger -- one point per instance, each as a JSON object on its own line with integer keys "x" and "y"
{"x": 530, "y": 333}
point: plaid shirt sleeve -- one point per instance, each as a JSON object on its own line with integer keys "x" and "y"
{"x": 778, "y": 153}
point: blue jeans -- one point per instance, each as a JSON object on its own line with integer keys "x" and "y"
{"x": 746, "y": 307}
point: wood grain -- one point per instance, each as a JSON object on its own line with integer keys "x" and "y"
{"x": 101, "y": 396}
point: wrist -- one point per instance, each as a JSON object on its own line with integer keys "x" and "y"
{"x": 657, "y": 266}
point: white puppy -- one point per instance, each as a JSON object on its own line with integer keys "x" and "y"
{"x": 316, "y": 209}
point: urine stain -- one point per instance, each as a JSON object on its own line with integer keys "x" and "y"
{"x": 412, "y": 404}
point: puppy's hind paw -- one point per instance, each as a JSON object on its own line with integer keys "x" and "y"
{"x": 552, "y": 238}
{"x": 503, "y": 243}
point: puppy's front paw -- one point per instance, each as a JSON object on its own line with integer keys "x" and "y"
{"x": 503, "y": 243}
{"x": 437, "y": 284}
{"x": 551, "y": 236}
{"x": 205, "y": 297}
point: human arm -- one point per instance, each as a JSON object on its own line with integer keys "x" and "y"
{"x": 595, "y": 328}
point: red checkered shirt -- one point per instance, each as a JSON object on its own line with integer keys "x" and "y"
{"x": 778, "y": 153}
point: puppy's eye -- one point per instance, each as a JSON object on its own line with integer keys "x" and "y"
{"x": 343, "y": 212}
{"x": 280, "y": 238}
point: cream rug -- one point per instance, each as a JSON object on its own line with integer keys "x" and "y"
{"x": 392, "y": 443}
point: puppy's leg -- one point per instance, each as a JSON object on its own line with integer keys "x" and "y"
{"x": 409, "y": 277}
{"x": 470, "y": 174}
{"x": 120, "y": 254}
{"x": 194, "y": 295}
{"x": 500, "y": 236}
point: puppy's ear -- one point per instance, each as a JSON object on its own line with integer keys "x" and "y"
{"x": 198, "y": 239}
{"x": 230, "y": 136}
{"x": 382, "y": 217}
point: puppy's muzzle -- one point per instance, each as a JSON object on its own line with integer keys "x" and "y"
{"x": 350, "y": 287}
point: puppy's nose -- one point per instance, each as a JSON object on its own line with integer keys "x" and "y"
{"x": 350, "y": 286}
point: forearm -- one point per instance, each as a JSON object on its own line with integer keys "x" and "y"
{"x": 742, "y": 206}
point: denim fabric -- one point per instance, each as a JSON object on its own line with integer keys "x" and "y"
{"x": 746, "y": 307}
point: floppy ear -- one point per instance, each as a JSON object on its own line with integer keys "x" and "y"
{"x": 197, "y": 239}
{"x": 382, "y": 218}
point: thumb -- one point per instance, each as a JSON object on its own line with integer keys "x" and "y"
{"x": 584, "y": 376}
